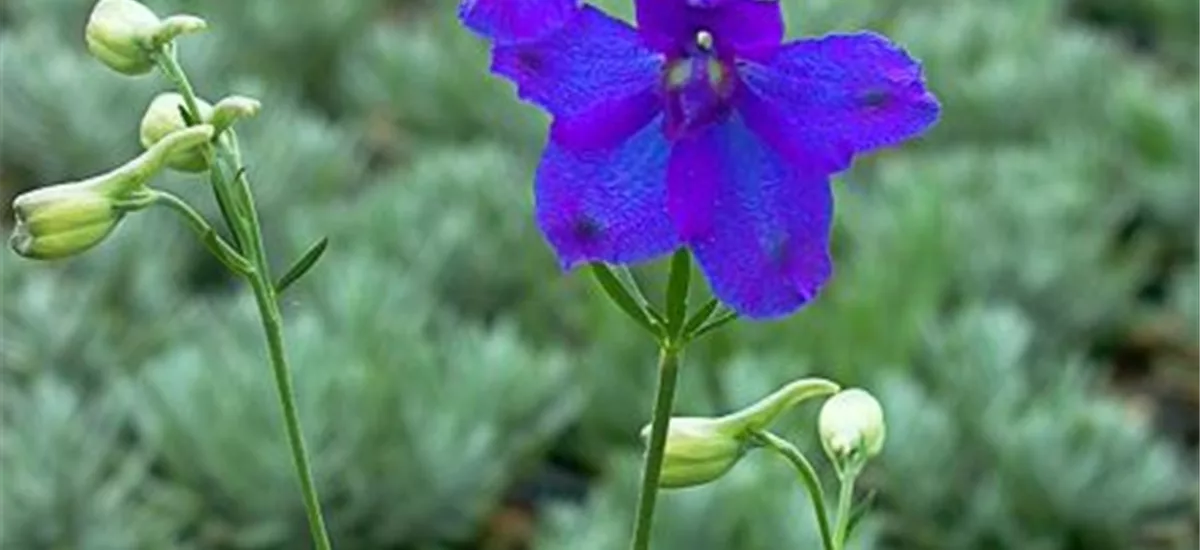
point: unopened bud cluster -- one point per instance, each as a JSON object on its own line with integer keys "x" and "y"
{"x": 700, "y": 450}
{"x": 62, "y": 220}
{"x": 65, "y": 219}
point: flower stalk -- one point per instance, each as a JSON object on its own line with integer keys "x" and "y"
{"x": 237, "y": 207}
{"x": 668, "y": 375}
{"x": 182, "y": 132}
{"x": 845, "y": 499}
{"x": 808, "y": 476}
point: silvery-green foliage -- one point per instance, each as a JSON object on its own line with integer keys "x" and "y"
{"x": 52, "y": 132}
{"x": 430, "y": 79}
{"x": 71, "y": 479}
{"x": 1161, "y": 25}
{"x": 1186, "y": 298}
{"x": 1048, "y": 463}
{"x": 756, "y": 506}
{"x": 446, "y": 197}
{"x": 396, "y": 402}
{"x": 93, "y": 318}
{"x": 976, "y": 270}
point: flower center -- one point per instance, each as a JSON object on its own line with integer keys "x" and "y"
{"x": 697, "y": 88}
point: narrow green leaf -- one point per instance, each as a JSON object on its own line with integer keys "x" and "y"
{"x": 627, "y": 278}
{"x": 217, "y": 179}
{"x": 302, "y": 265}
{"x": 187, "y": 117}
{"x": 677, "y": 291}
{"x": 700, "y": 317}
{"x": 621, "y": 297}
{"x": 656, "y": 316}
{"x": 715, "y": 324}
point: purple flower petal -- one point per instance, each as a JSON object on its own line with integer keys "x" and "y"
{"x": 737, "y": 26}
{"x": 759, "y": 226}
{"x": 509, "y": 21}
{"x": 594, "y": 61}
{"x": 608, "y": 123}
{"x": 607, "y": 204}
{"x": 821, "y": 101}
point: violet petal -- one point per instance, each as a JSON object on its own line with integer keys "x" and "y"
{"x": 758, "y": 225}
{"x": 821, "y": 101}
{"x": 511, "y": 21}
{"x": 607, "y": 204}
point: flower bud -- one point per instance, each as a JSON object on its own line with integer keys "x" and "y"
{"x": 123, "y": 34}
{"x": 698, "y": 450}
{"x": 66, "y": 219}
{"x": 851, "y": 421}
{"x": 118, "y": 34}
{"x": 62, "y": 220}
{"x": 175, "y": 26}
{"x": 164, "y": 117}
{"x": 231, "y": 109}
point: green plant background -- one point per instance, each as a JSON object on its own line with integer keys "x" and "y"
{"x": 1019, "y": 287}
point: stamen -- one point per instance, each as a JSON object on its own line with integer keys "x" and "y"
{"x": 716, "y": 74}
{"x": 704, "y": 40}
{"x": 678, "y": 74}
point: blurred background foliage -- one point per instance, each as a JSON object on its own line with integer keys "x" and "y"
{"x": 1019, "y": 287}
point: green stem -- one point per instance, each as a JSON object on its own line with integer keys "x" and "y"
{"x": 268, "y": 309}
{"x": 223, "y": 251}
{"x": 169, "y": 64}
{"x": 668, "y": 374}
{"x": 808, "y": 475}
{"x": 845, "y": 497}
{"x": 246, "y": 228}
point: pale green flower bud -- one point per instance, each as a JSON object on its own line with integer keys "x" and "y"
{"x": 118, "y": 34}
{"x": 698, "y": 450}
{"x": 66, "y": 219}
{"x": 176, "y": 26}
{"x": 850, "y": 422}
{"x": 62, "y": 220}
{"x": 232, "y": 109}
{"x": 124, "y": 34}
{"x": 164, "y": 117}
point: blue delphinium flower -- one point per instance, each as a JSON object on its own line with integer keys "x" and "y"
{"x": 701, "y": 128}
{"x": 506, "y": 21}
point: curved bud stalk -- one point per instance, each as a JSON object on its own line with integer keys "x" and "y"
{"x": 137, "y": 171}
{"x": 123, "y": 34}
{"x": 66, "y": 219}
{"x": 700, "y": 450}
{"x": 851, "y": 426}
{"x": 760, "y": 414}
